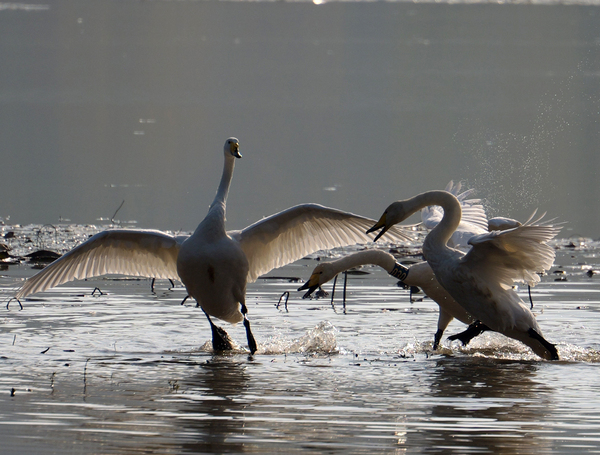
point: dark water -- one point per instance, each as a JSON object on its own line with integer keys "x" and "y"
{"x": 348, "y": 104}
{"x": 132, "y": 371}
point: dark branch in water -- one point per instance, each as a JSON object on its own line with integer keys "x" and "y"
{"x": 287, "y": 296}
{"x": 112, "y": 218}
{"x": 99, "y": 291}
{"x": 154, "y": 280}
{"x": 85, "y": 377}
{"x": 18, "y": 301}
{"x": 333, "y": 292}
{"x": 40, "y": 244}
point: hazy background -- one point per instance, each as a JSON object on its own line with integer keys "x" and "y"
{"x": 352, "y": 105}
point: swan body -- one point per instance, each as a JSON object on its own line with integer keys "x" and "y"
{"x": 419, "y": 274}
{"x": 481, "y": 280}
{"x": 213, "y": 264}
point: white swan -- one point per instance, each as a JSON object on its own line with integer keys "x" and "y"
{"x": 419, "y": 274}
{"x": 481, "y": 280}
{"x": 213, "y": 264}
{"x": 473, "y": 221}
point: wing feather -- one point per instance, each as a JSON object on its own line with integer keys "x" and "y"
{"x": 517, "y": 254}
{"x": 300, "y": 230}
{"x": 121, "y": 251}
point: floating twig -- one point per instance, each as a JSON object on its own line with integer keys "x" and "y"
{"x": 344, "y": 292}
{"x": 154, "y": 279}
{"x": 99, "y": 292}
{"x": 40, "y": 232}
{"x": 287, "y": 296}
{"x": 45, "y": 350}
{"x": 18, "y": 301}
{"x": 333, "y": 292}
{"x": 85, "y": 377}
{"x": 112, "y": 218}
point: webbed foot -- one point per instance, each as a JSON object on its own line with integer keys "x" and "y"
{"x": 220, "y": 339}
{"x": 549, "y": 346}
{"x": 472, "y": 331}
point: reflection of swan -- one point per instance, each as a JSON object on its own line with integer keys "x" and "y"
{"x": 481, "y": 280}
{"x": 214, "y": 265}
{"x": 494, "y": 405}
{"x": 417, "y": 275}
{"x": 209, "y": 409}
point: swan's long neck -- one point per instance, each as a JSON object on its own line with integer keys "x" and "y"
{"x": 377, "y": 257}
{"x": 215, "y": 219}
{"x": 223, "y": 191}
{"x": 439, "y": 236}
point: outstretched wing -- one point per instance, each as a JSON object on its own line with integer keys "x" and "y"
{"x": 517, "y": 254}
{"x": 304, "y": 229}
{"x": 129, "y": 252}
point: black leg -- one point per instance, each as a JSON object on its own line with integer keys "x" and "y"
{"x": 549, "y": 346}
{"x": 251, "y": 341}
{"x": 472, "y": 331}
{"x": 437, "y": 338}
{"x": 220, "y": 339}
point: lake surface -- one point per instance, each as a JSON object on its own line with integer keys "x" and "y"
{"x": 132, "y": 371}
{"x": 348, "y": 104}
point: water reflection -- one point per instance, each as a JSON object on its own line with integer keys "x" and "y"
{"x": 487, "y": 405}
{"x": 212, "y": 414}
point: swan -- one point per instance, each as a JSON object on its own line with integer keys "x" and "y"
{"x": 481, "y": 280}
{"x": 419, "y": 274}
{"x": 213, "y": 264}
{"x": 473, "y": 221}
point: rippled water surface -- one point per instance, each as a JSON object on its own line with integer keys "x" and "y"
{"x": 131, "y": 370}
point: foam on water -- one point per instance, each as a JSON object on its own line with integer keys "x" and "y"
{"x": 321, "y": 339}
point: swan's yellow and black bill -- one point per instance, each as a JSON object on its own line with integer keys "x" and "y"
{"x": 312, "y": 284}
{"x": 234, "y": 149}
{"x": 381, "y": 224}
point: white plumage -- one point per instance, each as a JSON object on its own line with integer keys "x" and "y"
{"x": 481, "y": 280}
{"x": 419, "y": 274}
{"x": 213, "y": 264}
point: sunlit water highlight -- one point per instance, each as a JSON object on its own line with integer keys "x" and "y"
{"x": 131, "y": 371}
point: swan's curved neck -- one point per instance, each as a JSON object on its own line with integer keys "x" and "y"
{"x": 378, "y": 257}
{"x": 440, "y": 235}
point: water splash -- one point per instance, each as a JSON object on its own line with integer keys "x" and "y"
{"x": 319, "y": 340}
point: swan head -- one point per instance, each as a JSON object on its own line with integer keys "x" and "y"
{"x": 322, "y": 273}
{"x": 232, "y": 147}
{"x": 394, "y": 214}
